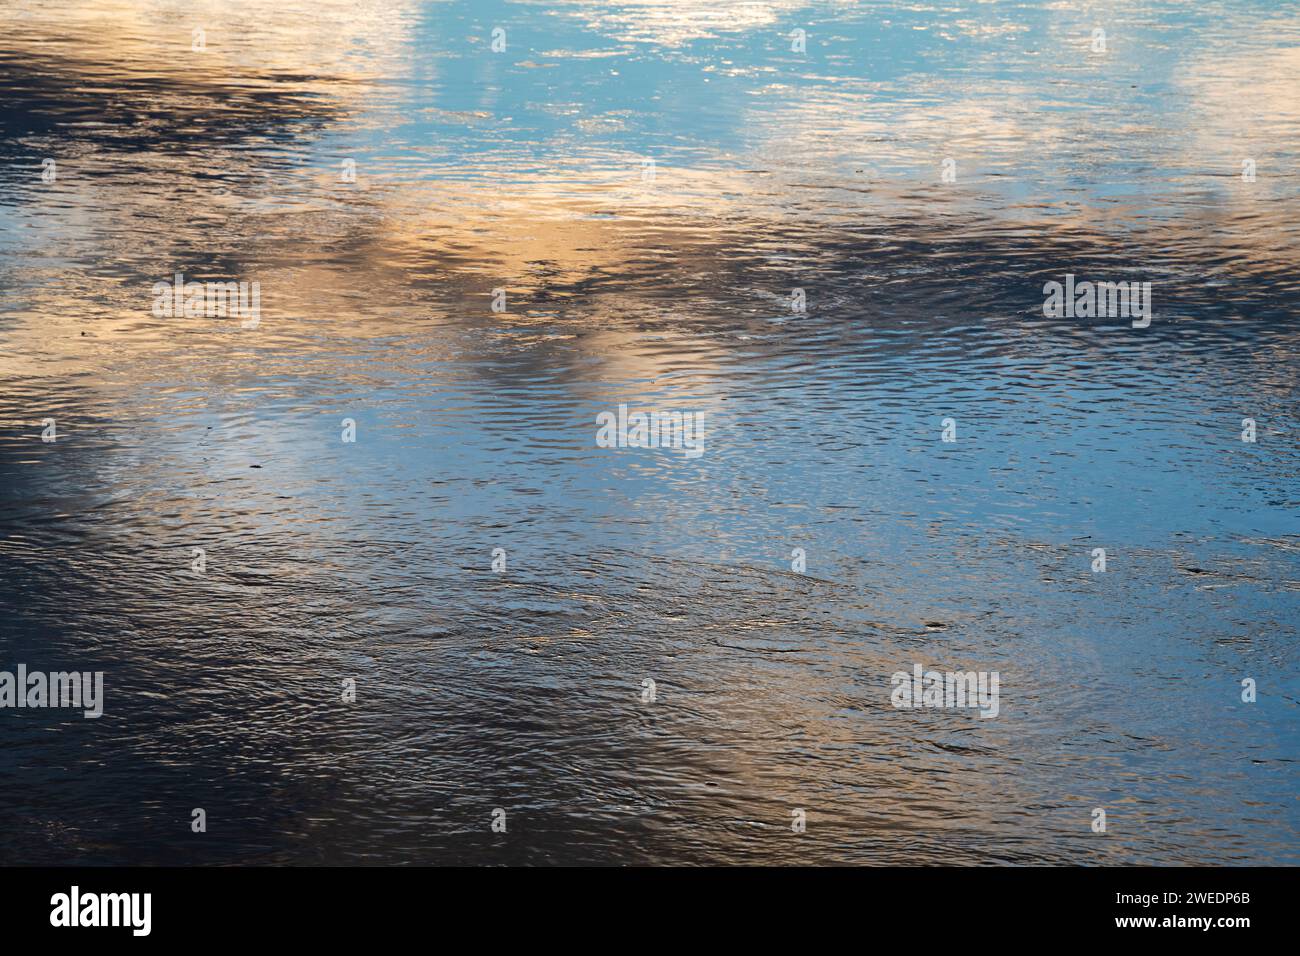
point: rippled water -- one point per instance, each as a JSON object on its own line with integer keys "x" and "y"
{"x": 666, "y": 288}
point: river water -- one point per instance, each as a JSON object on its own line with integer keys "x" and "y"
{"x": 649, "y": 183}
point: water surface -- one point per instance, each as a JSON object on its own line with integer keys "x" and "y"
{"x": 527, "y": 170}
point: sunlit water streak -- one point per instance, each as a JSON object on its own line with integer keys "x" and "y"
{"x": 774, "y": 170}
